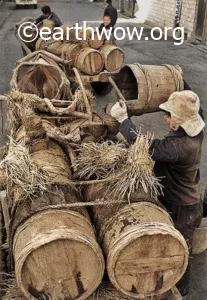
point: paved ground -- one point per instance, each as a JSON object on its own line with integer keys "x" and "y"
{"x": 193, "y": 60}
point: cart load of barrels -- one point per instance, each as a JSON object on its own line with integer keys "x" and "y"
{"x": 90, "y": 54}
{"x": 79, "y": 213}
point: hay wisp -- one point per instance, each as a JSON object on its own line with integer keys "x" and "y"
{"x": 124, "y": 170}
{"x": 23, "y": 172}
{"x": 137, "y": 171}
{"x": 98, "y": 160}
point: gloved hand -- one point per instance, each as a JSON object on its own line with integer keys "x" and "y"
{"x": 119, "y": 111}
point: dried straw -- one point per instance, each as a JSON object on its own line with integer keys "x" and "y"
{"x": 98, "y": 160}
{"x": 125, "y": 170}
{"x": 106, "y": 291}
{"x": 137, "y": 171}
{"x": 22, "y": 171}
{"x": 79, "y": 98}
{"x": 10, "y": 288}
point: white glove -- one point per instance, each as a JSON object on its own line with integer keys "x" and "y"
{"x": 119, "y": 111}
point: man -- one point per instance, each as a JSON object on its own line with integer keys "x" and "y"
{"x": 177, "y": 160}
{"x": 47, "y": 14}
{"x": 112, "y": 12}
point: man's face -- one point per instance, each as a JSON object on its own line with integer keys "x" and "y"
{"x": 106, "y": 20}
{"x": 167, "y": 118}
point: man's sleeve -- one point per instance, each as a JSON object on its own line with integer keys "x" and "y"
{"x": 128, "y": 130}
{"x": 164, "y": 151}
{"x": 58, "y": 22}
{"x": 39, "y": 20}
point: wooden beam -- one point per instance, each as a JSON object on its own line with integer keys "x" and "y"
{"x": 5, "y": 210}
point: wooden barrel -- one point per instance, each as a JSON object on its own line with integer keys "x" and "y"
{"x": 145, "y": 254}
{"x": 200, "y": 238}
{"x": 146, "y": 87}
{"x": 56, "y": 256}
{"x": 89, "y": 61}
{"x": 51, "y": 46}
{"x": 69, "y": 51}
{"x": 113, "y": 57}
{"x": 95, "y": 43}
{"x": 55, "y": 251}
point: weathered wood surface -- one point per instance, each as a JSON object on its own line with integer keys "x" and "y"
{"x": 89, "y": 61}
{"x": 146, "y": 256}
{"x": 145, "y": 87}
{"x": 113, "y": 57}
{"x": 55, "y": 250}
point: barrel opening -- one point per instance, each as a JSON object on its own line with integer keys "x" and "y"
{"x": 127, "y": 83}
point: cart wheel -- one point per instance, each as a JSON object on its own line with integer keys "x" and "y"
{"x": 101, "y": 88}
{"x": 35, "y": 6}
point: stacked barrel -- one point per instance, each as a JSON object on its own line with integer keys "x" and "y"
{"x": 91, "y": 55}
{"x": 52, "y": 242}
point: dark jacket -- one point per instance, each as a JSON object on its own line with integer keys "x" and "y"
{"x": 112, "y": 12}
{"x": 177, "y": 160}
{"x": 53, "y": 17}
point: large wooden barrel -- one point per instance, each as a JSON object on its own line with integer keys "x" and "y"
{"x": 69, "y": 51}
{"x": 56, "y": 256}
{"x": 52, "y": 46}
{"x": 113, "y": 57}
{"x": 96, "y": 42}
{"x": 145, "y": 254}
{"x": 55, "y": 251}
{"x": 147, "y": 86}
{"x": 89, "y": 61}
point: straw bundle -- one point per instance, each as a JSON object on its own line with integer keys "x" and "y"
{"x": 137, "y": 171}
{"x": 48, "y": 24}
{"x": 79, "y": 98}
{"x": 22, "y": 171}
{"x": 98, "y": 160}
{"x": 125, "y": 170}
{"x": 10, "y": 288}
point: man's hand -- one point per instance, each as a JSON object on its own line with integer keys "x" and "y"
{"x": 119, "y": 111}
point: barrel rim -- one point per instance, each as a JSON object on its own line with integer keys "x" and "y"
{"x": 46, "y": 237}
{"x": 127, "y": 238}
{"x": 126, "y": 208}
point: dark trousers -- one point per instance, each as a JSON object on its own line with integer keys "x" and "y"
{"x": 186, "y": 219}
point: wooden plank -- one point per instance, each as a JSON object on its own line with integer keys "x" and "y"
{"x": 149, "y": 265}
{"x": 176, "y": 293}
{"x": 5, "y": 210}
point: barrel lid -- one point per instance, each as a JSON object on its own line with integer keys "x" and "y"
{"x": 148, "y": 260}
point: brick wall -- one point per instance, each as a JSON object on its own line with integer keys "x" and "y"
{"x": 162, "y": 13}
{"x": 189, "y": 16}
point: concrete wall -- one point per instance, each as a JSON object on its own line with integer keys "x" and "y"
{"x": 162, "y": 13}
